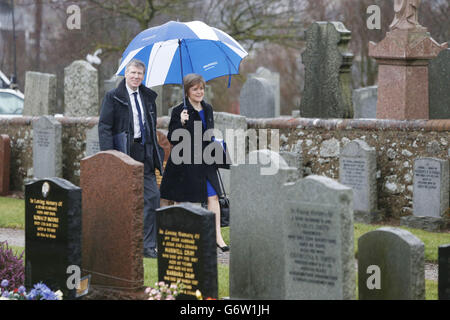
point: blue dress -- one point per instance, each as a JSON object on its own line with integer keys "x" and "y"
{"x": 209, "y": 188}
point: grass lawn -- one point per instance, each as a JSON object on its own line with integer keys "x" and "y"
{"x": 12, "y": 213}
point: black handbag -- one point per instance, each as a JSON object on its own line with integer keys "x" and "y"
{"x": 224, "y": 203}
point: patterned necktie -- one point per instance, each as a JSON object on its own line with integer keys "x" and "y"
{"x": 141, "y": 123}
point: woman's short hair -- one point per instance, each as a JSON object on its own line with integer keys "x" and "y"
{"x": 191, "y": 80}
{"x": 135, "y": 63}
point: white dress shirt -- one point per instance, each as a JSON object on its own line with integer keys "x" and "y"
{"x": 137, "y": 128}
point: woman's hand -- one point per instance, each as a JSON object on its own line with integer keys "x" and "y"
{"x": 184, "y": 117}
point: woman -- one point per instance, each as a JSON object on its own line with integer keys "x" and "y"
{"x": 192, "y": 180}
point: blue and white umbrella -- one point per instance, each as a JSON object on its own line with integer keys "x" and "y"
{"x": 175, "y": 49}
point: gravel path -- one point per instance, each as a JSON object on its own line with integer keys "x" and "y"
{"x": 16, "y": 237}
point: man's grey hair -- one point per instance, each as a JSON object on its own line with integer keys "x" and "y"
{"x": 135, "y": 63}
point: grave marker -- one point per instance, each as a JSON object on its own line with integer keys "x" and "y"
{"x": 47, "y": 147}
{"x": 81, "y": 90}
{"x": 92, "y": 141}
{"x": 357, "y": 170}
{"x": 5, "y": 163}
{"x": 444, "y": 272}
{"x": 187, "y": 249}
{"x": 113, "y": 206}
{"x": 52, "y": 233}
{"x": 40, "y": 94}
{"x": 431, "y": 187}
{"x": 327, "y": 59}
{"x": 318, "y": 237}
{"x": 398, "y": 256}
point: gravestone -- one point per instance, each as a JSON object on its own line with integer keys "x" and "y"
{"x": 5, "y": 164}
{"x": 391, "y": 265}
{"x": 294, "y": 160}
{"x": 232, "y": 127}
{"x": 357, "y": 170}
{"x": 318, "y": 238}
{"x": 430, "y": 195}
{"x": 113, "y": 206}
{"x": 327, "y": 59}
{"x": 40, "y": 94}
{"x": 92, "y": 141}
{"x": 365, "y": 102}
{"x": 439, "y": 84}
{"x": 256, "y": 229}
{"x": 274, "y": 80}
{"x": 81, "y": 90}
{"x": 187, "y": 249}
{"x": 431, "y": 187}
{"x": 444, "y": 272}
{"x": 47, "y": 147}
{"x": 258, "y": 98}
{"x": 52, "y": 233}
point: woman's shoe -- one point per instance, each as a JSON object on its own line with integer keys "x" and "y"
{"x": 224, "y": 249}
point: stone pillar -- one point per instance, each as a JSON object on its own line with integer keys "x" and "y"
{"x": 403, "y": 57}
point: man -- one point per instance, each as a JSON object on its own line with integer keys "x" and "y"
{"x": 128, "y": 114}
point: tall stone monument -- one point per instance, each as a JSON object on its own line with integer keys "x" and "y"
{"x": 328, "y": 62}
{"x": 81, "y": 90}
{"x": 403, "y": 57}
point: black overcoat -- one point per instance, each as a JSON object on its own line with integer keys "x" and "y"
{"x": 116, "y": 117}
{"x": 186, "y": 182}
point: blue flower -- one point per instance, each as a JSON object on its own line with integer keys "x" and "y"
{"x": 4, "y": 283}
{"x": 21, "y": 289}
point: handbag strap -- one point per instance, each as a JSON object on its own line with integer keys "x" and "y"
{"x": 222, "y": 189}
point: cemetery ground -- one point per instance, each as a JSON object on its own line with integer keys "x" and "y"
{"x": 12, "y": 222}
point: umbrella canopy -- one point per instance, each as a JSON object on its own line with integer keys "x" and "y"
{"x": 175, "y": 49}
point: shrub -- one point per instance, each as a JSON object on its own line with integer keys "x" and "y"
{"x": 11, "y": 267}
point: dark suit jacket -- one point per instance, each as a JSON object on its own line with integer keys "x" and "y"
{"x": 116, "y": 116}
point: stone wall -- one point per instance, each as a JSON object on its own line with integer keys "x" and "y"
{"x": 397, "y": 144}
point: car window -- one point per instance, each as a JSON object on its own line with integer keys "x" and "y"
{"x": 10, "y": 104}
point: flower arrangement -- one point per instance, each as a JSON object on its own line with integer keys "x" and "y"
{"x": 11, "y": 266}
{"x": 39, "y": 292}
{"x": 162, "y": 291}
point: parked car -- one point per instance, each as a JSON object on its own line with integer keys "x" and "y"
{"x": 11, "y": 102}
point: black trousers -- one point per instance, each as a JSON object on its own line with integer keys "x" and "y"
{"x": 151, "y": 193}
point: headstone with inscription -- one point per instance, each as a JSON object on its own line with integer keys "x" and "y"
{"x": 186, "y": 240}
{"x": 47, "y": 147}
{"x": 444, "y": 272}
{"x": 113, "y": 206}
{"x": 357, "y": 170}
{"x": 256, "y": 230}
{"x": 92, "y": 141}
{"x": 52, "y": 233}
{"x": 318, "y": 240}
{"x": 391, "y": 265}
{"x": 431, "y": 187}
{"x": 5, "y": 163}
